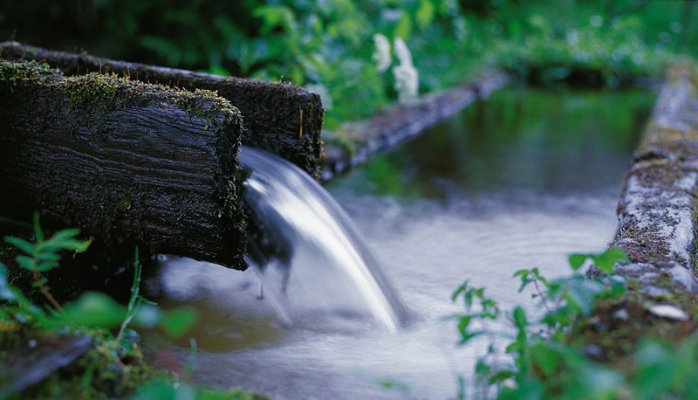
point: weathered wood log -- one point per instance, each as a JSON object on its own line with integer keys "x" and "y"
{"x": 129, "y": 162}
{"x": 283, "y": 119}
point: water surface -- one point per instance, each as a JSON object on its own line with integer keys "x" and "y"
{"x": 518, "y": 181}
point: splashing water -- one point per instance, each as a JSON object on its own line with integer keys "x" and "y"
{"x": 307, "y": 250}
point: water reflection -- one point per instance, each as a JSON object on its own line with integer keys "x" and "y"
{"x": 551, "y": 141}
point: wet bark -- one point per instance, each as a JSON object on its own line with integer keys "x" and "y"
{"x": 280, "y": 118}
{"x": 130, "y": 163}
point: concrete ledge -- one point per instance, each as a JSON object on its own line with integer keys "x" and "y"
{"x": 658, "y": 208}
{"x": 386, "y": 131}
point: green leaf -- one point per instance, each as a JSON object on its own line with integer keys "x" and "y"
{"x": 21, "y": 244}
{"x": 404, "y": 27}
{"x": 482, "y": 368}
{"x": 577, "y": 260}
{"x": 545, "y": 357}
{"x": 469, "y": 335}
{"x": 561, "y": 316}
{"x": 177, "y": 322}
{"x": 501, "y": 376}
{"x": 459, "y": 291}
{"x": 657, "y": 365}
{"x": 463, "y": 324}
{"x": 526, "y": 389}
{"x": 581, "y": 292}
{"x": 45, "y": 266}
{"x": 25, "y": 262}
{"x": 536, "y": 273}
{"x": 94, "y": 309}
{"x": 524, "y": 275}
{"x": 425, "y": 13}
{"x": 520, "y": 320}
{"x": 65, "y": 244}
{"x": 48, "y": 257}
{"x": 618, "y": 286}
{"x": 37, "y": 229}
{"x": 65, "y": 234}
{"x": 607, "y": 260}
{"x": 606, "y": 381}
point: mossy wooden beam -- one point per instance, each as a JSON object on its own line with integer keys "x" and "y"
{"x": 130, "y": 163}
{"x": 283, "y": 119}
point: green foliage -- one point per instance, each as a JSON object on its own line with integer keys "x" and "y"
{"x": 605, "y": 261}
{"x": 545, "y": 364}
{"x": 94, "y": 313}
{"x": 329, "y": 43}
{"x": 43, "y": 255}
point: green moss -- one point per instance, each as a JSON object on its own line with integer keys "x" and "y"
{"x": 92, "y": 91}
{"x": 108, "y": 92}
{"x": 106, "y": 370}
{"x": 17, "y": 72}
{"x": 665, "y": 134}
{"x": 105, "y": 92}
{"x": 619, "y": 337}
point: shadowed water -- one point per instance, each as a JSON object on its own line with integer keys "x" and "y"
{"x": 519, "y": 181}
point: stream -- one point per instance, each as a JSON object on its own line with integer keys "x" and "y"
{"x": 518, "y": 181}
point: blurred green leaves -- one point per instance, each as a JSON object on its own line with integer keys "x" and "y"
{"x": 98, "y": 310}
{"x": 91, "y": 309}
{"x": 450, "y": 40}
{"x": 545, "y": 364}
{"x": 43, "y": 255}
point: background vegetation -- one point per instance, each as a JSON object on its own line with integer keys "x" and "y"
{"x": 328, "y": 45}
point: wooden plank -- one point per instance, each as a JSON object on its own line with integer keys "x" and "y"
{"x": 128, "y": 162}
{"x": 283, "y": 119}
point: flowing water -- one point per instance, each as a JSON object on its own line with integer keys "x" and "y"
{"x": 518, "y": 181}
{"x": 308, "y": 234}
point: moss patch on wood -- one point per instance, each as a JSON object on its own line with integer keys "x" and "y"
{"x": 113, "y": 156}
{"x": 105, "y": 370}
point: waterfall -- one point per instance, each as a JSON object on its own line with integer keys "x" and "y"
{"x": 305, "y": 248}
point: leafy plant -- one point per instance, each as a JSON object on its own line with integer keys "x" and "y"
{"x": 544, "y": 362}
{"x": 93, "y": 312}
{"x": 43, "y": 255}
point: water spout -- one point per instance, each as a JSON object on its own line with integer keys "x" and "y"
{"x": 302, "y": 231}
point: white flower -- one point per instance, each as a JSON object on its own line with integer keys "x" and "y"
{"x": 406, "y": 82}
{"x": 381, "y": 55}
{"x": 324, "y": 94}
{"x": 402, "y": 52}
{"x": 406, "y": 75}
